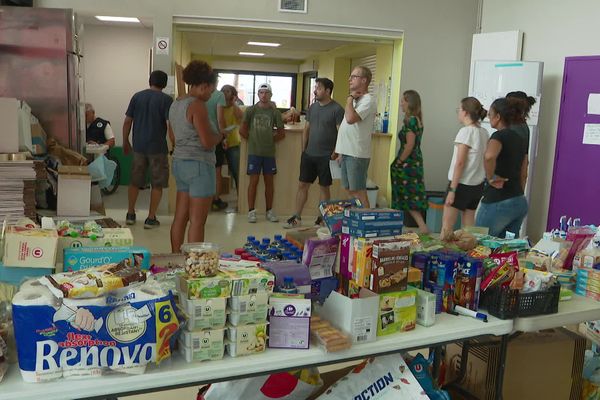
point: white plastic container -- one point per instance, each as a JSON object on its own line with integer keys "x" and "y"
{"x": 249, "y": 309}
{"x": 201, "y": 259}
{"x": 205, "y": 313}
{"x": 202, "y": 346}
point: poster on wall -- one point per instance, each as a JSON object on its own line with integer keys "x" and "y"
{"x": 162, "y": 46}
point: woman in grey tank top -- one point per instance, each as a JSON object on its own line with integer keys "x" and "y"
{"x": 193, "y": 154}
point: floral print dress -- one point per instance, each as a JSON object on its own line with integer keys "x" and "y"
{"x": 408, "y": 187}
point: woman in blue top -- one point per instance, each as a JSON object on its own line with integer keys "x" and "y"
{"x": 504, "y": 207}
{"x": 193, "y": 154}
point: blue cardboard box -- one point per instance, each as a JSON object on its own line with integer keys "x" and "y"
{"x": 77, "y": 258}
{"x": 372, "y": 225}
{"x": 333, "y": 212}
{"x": 374, "y": 214}
{"x": 16, "y": 275}
{"x": 371, "y": 233}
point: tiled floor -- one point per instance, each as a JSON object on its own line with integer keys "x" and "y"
{"x": 229, "y": 230}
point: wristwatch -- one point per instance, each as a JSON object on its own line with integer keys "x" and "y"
{"x": 451, "y": 189}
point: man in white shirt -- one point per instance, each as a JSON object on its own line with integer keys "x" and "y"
{"x": 98, "y": 130}
{"x": 354, "y": 136}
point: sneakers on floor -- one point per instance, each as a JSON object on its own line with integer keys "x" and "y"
{"x": 130, "y": 219}
{"x": 151, "y": 223}
{"x": 252, "y": 216}
{"x": 272, "y": 217}
{"x": 293, "y": 222}
{"x": 319, "y": 221}
{"x": 219, "y": 205}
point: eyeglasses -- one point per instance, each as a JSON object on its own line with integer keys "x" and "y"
{"x": 355, "y": 76}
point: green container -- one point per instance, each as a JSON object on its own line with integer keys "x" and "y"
{"x": 125, "y": 164}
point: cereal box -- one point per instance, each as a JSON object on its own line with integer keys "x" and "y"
{"x": 467, "y": 281}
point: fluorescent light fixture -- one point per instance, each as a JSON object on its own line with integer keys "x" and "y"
{"x": 116, "y": 19}
{"x": 248, "y": 53}
{"x": 267, "y": 44}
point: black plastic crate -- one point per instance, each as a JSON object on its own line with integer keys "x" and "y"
{"x": 505, "y": 303}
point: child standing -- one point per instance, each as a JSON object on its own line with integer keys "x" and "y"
{"x": 257, "y": 127}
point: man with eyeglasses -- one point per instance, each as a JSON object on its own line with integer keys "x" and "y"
{"x": 354, "y": 137}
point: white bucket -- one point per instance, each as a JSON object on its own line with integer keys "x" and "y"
{"x": 372, "y": 195}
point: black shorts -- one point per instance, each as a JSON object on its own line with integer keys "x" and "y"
{"x": 220, "y": 155}
{"x": 311, "y": 167}
{"x": 467, "y": 197}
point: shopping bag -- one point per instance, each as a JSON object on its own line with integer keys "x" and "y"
{"x": 292, "y": 385}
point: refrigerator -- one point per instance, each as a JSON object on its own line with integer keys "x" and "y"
{"x": 494, "y": 79}
{"x": 39, "y": 63}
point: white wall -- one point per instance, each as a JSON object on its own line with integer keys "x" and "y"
{"x": 116, "y": 65}
{"x": 553, "y": 30}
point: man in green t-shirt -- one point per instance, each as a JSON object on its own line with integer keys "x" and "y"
{"x": 259, "y": 122}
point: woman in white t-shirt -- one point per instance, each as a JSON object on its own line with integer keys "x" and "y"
{"x": 466, "y": 173}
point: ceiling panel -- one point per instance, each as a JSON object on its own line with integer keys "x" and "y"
{"x": 229, "y": 44}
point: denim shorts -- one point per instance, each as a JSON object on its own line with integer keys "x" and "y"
{"x": 502, "y": 216}
{"x": 258, "y": 164}
{"x": 197, "y": 178}
{"x": 354, "y": 172}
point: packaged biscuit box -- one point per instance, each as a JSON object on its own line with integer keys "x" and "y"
{"x": 397, "y": 312}
{"x": 206, "y": 287}
{"x": 203, "y": 345}
{"x": 205, "y": 313}
{"x": 249, "y": 280}
{"x": 246, "y": 339}
{"x": 390, "y": 265}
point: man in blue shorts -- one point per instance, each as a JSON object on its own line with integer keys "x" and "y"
{"x": 257, "y": 127}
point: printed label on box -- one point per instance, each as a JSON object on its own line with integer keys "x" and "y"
{"x": 363, "y": 328}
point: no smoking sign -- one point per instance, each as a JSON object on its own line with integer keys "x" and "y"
{"x": 162, "y": 45}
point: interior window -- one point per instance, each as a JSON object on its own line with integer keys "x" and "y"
{"x": 247, "y": 82}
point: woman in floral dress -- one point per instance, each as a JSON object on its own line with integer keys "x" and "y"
{"x": 408, "y": 188}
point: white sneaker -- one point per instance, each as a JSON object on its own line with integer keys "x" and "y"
{"x": 272, "y": 217}
{"x": 252, "y": 216}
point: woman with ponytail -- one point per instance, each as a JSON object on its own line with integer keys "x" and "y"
{"x": 466, "y": 174}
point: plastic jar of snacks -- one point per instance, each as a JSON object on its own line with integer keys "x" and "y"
{"x": 201, "y": 259}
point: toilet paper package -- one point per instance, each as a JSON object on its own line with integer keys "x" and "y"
{"x": 123, "y": 330}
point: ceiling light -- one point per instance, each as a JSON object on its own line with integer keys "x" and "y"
{"x": 117, "y": 19}
{"x": 267, "y": 44}
{"x": 247, "y": 53}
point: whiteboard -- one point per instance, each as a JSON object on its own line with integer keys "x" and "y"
{"x": 495, "y": 46}
{"x": 494, "y": 79}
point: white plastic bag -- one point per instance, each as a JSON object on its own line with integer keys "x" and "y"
{"x": 294, "y": 385}
{"x": 386, "y": 377}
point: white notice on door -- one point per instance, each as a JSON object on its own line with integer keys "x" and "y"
{"x": 591, "y": 134}
{"x": 594, "y": 104}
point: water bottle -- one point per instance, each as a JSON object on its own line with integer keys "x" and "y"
{"x": 273, "y": 255}
{"x": 266, "y": 241}
{"x": 385, "y": 122}
{"x": 289, "y": 287}
{"x": 262, "y": 251}
{"x": 249, "y": 245}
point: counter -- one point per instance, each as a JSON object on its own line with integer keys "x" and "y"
{"x": 288, "y": 154}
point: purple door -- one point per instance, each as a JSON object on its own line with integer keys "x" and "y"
{"x": 576, "y": 180}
